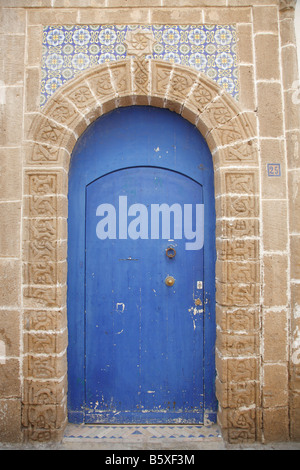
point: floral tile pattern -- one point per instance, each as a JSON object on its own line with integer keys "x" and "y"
{"x": 68, "y": 50}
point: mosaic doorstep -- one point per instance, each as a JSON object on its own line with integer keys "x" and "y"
{"x": 141, "y": 432}
{"x": 68, "y": 50}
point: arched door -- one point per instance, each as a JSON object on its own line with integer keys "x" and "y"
{"x": 141, "y": 256}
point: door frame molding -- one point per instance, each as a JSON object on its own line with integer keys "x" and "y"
{"x": 232, "y": 139}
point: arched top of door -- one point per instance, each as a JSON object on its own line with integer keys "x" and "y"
{"x": 229, "y": 131}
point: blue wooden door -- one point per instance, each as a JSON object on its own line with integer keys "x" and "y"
{"x": 141, "y": 270}
{"x": 144, "y": 338}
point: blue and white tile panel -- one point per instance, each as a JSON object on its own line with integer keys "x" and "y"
{"x": 68, "y": 50}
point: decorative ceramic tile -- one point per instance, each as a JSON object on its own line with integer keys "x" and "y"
{"x": 68, "y": 50}
{"x": 142, "y": 432}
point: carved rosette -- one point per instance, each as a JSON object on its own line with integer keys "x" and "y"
{"x": 232, "y": 141}
{"x": 139, "y": 42}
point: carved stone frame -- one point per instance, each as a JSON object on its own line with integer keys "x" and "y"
{"x": 232, "y": 139}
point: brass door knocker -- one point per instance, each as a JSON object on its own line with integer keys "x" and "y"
{"x": 170, "y": 252}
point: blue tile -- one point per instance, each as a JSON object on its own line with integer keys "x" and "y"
{"x": 69, "y": 50}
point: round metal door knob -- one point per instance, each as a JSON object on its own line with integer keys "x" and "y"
{"x": 170, "y": 281}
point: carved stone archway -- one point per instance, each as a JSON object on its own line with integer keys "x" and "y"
{"x": 232, "y": 140}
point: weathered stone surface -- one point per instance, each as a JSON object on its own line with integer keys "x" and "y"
{"x": 10, "y": 429}
{"x": 275, "y": 328}
{"x": 255, "y": 279}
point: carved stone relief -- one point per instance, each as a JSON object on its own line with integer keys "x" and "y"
{"x": 50, "y": 142}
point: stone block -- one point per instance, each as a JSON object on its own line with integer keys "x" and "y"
{"x": 239, "y": 425}
{"x": 181, "y": 84}
{"x": 265, "y": 19}
{"x": 10, "y": 421}
{"x": 44, "y": 183}
{"x": 240, "y": 128}
{"x": 35, "y": 436}
{"x": 12, "y": 20}
{"x": 237, "y": 250}
{"x": 114, "y": 16}
{"x": 10, "y": 217}
{"x": 40, "y": 392}
{"x": 227, "y": 15}
{"x": 43, "y": 420}
{"x": 295, "y": 425}
{"x": 62, "y": 111}
{"x": 239, "y": 320}
{"x": 45, "y": 320}
{"x": 45, "y": 343}
{"x": 238, "y": 206}
{"x": 81, "y": 96}
{"x": 293, "y": 148}
{"x": 237, "y": 181}
{"x": 295, "y": 256}
{"x": 132, "y": 3}
{"x": 275, "y": 385}
{"x": 294, "y": 200}
{"x": 292, "y": 116}
{"x": 235, "y": 345}
{"x": 275, "y": 336}
{"x": 29, "y": 3}
{"x": 275, "y": 235}
{"x": 41, "y": 297}
{"x": 52, "y": 16}
{"x": 245, "y": 152}
{"x": 236, "y": 395}
{"x": 275, "y": 280}
{"x": 74, "y": 3}
{"x": 287, "y": 32}
{"x": 295, "y": 416}
{"x": 239, "y": 370}
{"x": 289, "y": 66}
{"x": 239, "y": 295}
{"x": 244, "y": 44}
{"x": 295, "y": 298}
{"x": 267, "y": 57}
{"x": 10, "y": 380}
{"x": 176, "y": 15}
{"x": 270, "y": 111}
{"x": 101, "y": 84}
{"x": 273, "y": 151}
{"x": 10, "y": 174}
{"x": 10, "y": 286}
{"x": 192, "y": 3}
{"x": 47, "y": 206}
{"x": 161, "y": 75}
{"x": 232, "y": 229}
{"x": 190, "y": 113}
{"x": 9, "y": 335}
{"x": 32, "y": 90}
{"x": 237, "y": 272}
{"x": 44, "y": 366}
{"x": 35, "y": 43}
{"x": 276, "y": 424}
{"x": 247, "y": 87}
{"x": 11, "y": 117}
{"x": 121, "y": 77}
{"x": 13, "y": 73}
